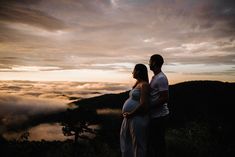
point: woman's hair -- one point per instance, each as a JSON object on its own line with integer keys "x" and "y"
{"x": 142, "y": 72}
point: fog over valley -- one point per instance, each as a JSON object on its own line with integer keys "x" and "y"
{"x": 22, "y": 100}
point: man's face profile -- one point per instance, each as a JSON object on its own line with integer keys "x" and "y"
{"x": 151, "y": 64}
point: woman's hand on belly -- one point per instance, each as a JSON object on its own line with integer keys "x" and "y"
{"x": 128, "y": 115}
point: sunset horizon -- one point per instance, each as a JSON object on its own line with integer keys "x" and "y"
{"x": 102, "y": 40}
{"x": 96, "y": 78}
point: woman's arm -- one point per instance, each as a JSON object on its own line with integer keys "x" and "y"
{"x": 144, "y": 101}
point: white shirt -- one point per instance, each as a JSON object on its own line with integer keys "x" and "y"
{"x": 158, "y": 83}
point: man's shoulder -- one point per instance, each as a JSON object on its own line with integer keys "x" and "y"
{"x": 160, "y": 77}
{"x": 160, "y": 81}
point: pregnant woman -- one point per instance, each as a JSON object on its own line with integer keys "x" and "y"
{"x": 133, "y": 134}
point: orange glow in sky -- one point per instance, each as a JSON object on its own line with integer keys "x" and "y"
{"x": 101, "y": 41}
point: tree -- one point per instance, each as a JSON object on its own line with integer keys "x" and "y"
{"x": 76, "y": 122}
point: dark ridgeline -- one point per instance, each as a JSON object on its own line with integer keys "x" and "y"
{"x": 210, "y": 101}
{"x": 113, "y": 101}
{"x": 203, "y": 108}
{"x": 200, "y": 123}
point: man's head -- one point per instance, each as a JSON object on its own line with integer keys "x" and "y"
{"x": 156, "y": 61}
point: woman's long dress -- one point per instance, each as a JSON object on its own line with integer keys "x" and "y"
{"x": 133, "y": 134}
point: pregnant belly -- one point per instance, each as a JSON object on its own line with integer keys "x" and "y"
{"x": 130, "y": 105}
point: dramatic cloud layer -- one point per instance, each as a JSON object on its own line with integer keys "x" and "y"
{"x": 17, "y": 111}
{"x": 20, "y": 101}
{"x": 59, "y": 90}
{"x": 58, "y": 36}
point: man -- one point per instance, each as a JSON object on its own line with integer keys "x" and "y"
{"x": 158, "y": 107}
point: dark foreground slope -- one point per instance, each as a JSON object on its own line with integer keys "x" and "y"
{"x": 200, "y": 123}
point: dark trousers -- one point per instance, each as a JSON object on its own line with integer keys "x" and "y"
{"x": 156, "y": 139}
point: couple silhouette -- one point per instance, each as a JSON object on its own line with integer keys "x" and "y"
{"x": 142, "y": 131}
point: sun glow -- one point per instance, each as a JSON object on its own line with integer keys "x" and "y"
{"x": 83, "y": 75}
{"x": 33, "y": 68}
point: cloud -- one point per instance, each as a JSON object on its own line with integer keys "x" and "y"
{"x": 17, "y": 110}
{"x": 21, "y": 101}
{"x": 59, "y": 90}
{"x": 213, "y": 52}
{"x": 105, "y": 34}
{"x": 28, "y": 105}
{"x": 16, "y": 13}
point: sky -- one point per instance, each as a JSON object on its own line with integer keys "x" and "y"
{"x": 102, "y": 40}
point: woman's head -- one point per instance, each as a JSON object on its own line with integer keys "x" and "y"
{"x": 140, "y": 72}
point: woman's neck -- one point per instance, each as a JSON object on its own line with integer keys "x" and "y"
{"x": 137, "y": 82}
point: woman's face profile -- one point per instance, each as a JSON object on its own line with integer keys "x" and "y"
{"x": 134, "y": 73}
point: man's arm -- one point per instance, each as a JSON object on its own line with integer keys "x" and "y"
{"x": 163, "y": 98}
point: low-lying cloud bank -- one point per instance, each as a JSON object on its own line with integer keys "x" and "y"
{"x": 60, "y": 90}
{"x": 16, "y": 110}
{"x": 24, "y": 101}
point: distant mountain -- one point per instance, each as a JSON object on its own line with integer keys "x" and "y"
{"x": 210, "y": 101}
{"x": 104, "y": 101}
